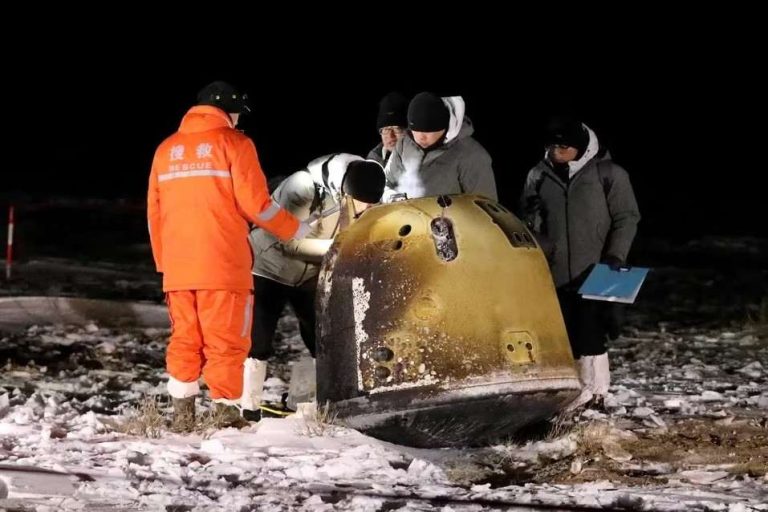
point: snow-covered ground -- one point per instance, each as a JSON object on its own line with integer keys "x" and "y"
{"x": 686, "y": 426}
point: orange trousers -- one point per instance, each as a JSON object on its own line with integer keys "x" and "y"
{"x": 210, "y": 336}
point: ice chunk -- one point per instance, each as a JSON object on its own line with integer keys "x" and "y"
{"x": 642, "y": 412}
{"x": 753, "y": 370}
{"x": 212, "y": 446}
{"x": 613, "y": 450}
{"x": 710, "y": 396}
{"x": 703, "y": 477}
{"x": 747, "y": 340}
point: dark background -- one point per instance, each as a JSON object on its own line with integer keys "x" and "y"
{"x": 679, "y": 103}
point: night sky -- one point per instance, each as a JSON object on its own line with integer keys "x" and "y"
{"x": 684, "y": 115}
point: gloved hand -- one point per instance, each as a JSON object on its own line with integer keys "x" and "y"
{"x": 614, "y": 262}
{"x": 533, "y": 203}
{"x": 304, "y": 229}
{"x": 534, "y": 213}
{"x": 314, "y": 217}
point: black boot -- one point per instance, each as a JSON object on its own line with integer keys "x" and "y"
{"x": 597, "y": 404}
{"x": 253, "y": 416}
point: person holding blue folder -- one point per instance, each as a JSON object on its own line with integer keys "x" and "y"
{"x": 581, "y": 205}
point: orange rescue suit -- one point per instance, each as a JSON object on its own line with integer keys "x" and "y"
{"x": 206, "y": 185}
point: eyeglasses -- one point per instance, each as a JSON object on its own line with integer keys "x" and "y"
{"x": 391, "y": 130}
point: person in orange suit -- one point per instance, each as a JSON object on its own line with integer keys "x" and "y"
{"x": 205, "y": 187}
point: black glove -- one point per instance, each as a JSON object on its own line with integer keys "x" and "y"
{"x": 533, "y": 213}
{"x": 614, "y": 262}
{"x": 532, "y": 203}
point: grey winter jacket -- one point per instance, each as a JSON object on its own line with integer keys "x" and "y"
{"x": 592, "y": 216}
{"x": 460, "y": 166}
{"x": 306, "y": 193}
{"x": 377, "y": 154}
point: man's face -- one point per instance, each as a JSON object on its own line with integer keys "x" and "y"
{"x": 390, "y": 135}
{"x": 562, "y": 154}
{"x": 427, "y": 139}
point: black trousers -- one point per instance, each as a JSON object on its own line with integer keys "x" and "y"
{"x": 269, "y": 300}
{"x": 585, "y": 321}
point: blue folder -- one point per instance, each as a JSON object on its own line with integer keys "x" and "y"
{"x": 612, "y": 285}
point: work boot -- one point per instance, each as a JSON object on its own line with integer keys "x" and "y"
{"x": 252, "y": 416}
{"x": 227, "y": 415}
{"x": 183, "y": 414}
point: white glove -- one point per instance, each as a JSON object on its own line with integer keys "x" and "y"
{"x": 304, "y": 229}
{"x": 391, "y": 196}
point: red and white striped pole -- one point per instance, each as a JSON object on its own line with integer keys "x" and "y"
{"x": 9, "y": 251}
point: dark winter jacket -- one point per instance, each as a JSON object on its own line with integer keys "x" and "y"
{"x": 592, "y": 216}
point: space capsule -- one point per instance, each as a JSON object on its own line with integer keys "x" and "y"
{"x": 439, "y": 325}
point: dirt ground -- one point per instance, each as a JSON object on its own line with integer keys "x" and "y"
{"x": 738, "y": 446}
